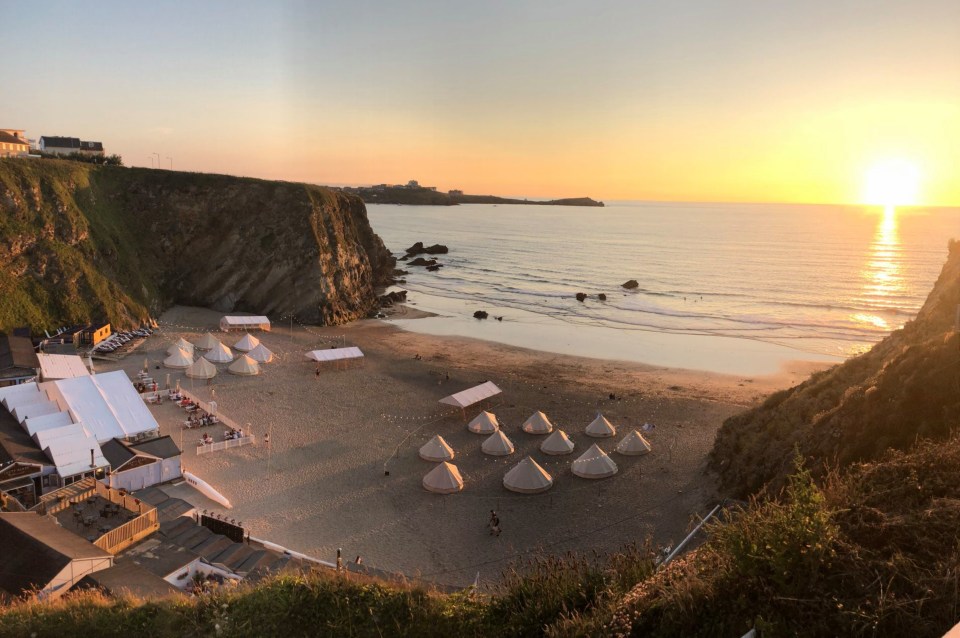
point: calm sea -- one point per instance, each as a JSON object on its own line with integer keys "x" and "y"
{"x": 793, "y": 282}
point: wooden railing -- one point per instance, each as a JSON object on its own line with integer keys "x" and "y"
{"x": 225, "y": 445}
{"x": 117, "y": 540}
{"x": 63, "y": 498}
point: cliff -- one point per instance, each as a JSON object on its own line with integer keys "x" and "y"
{"x": 905, "y": 388}
{"x": 80, "y": 242}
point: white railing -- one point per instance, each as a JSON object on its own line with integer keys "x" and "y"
{"x": 226, "y": 445}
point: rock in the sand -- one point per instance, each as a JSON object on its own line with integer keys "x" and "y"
{"x": 602, "y": 297}
{"x": 630, "y": 285}
{"x": 436, "y": 249}
{"x": 480, "y": 314}
{"x": 435, "y": 267}
{"x": 581, "y": 296}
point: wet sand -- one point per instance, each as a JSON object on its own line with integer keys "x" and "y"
{"x": 322, "y": 485}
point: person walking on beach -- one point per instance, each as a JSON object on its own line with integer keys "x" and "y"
{"x": 494, "y": 524}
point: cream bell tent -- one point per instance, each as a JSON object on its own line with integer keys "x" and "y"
{"x": 201, "y": 369}
{"x": 484, "y": 423}
{"x": 178, "y": 360}
{"x": 601, "y": 428}
{"x": 538, "y": 423}
{"x": 207, "y": 342}
{"x": 443, "y": 479}
{"x": 557, "y": 443}
{"x": 261, "y": 354}
{"x": 527, "y": 477}
{"x": 497, "y": 444}
{"x": 247, "y": 343}
{"x": 436, "y": 449}
{"x": 594, "y": 464}
{"x": 244, "y": 366}
{"x": 180, "y": 344}
{"x": 633, "y": 445}
{"x": 219, "y": 354}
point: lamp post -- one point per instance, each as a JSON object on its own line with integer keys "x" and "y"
{"x": 171, "y": 163}
{"x": 158, "y": 158}
{"x": 151, "y": 162}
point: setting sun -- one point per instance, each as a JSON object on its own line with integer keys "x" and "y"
{"x": 892, "y": 183}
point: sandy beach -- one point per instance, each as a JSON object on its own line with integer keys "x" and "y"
{"x": 323, "y": 483}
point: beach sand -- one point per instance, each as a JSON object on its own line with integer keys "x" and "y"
{"x": 323, "y": 486}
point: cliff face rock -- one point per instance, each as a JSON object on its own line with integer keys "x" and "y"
{"x": 81, "y": 242}
{"x": 905, "y": 388}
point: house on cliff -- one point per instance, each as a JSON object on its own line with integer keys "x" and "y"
{"x": 13, "y": 143}
{"x": 57, "y": 145}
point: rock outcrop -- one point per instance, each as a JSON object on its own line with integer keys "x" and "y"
{"x": 903, "y": 390}
{"x": 631, "y": 284}
{"x": 80, "y": 242}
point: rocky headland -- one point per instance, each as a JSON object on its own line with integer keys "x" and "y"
{"x": 80, "y": 242}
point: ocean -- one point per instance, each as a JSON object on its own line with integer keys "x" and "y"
{"x": 735, "y": 288}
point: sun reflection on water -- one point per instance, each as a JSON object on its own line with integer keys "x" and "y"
{"x": 883, "y": 280}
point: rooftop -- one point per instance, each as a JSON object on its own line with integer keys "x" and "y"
{"x": 17, "y": 352}
{"x": 132, "y": 579}
{"x": 159, "y": 557}
{"x": 162, "y": 447}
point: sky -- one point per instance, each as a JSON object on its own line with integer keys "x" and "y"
{"x": 709, "y": 100}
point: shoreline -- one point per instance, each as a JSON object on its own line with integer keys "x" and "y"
{"x": 322, "y": 485}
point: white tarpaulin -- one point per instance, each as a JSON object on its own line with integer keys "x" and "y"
{"x": 39, "y": 423}
{"x": 236, "y": 322}
{"x": 13, "y": 401}
{"x": 107, "y": 404}
{"x": 334, "y": 354}
{"x": 61, "y": 366}
{"x": 472, "y": 395}
{"x": 24, "y": 412}
{"x": 14, "y": 390}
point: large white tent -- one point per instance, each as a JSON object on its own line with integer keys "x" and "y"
{"x": 600, "y": 427}
{"x": 594, "y": 464}
{"x": 43, "y": 437}
{"x": 443, "y": 479}
{"x": 436, "y": 449}
{"x": 468, "y": 397}
{"x": 207, "y": 342}
{"x": 36, "y": 424}
{"x": 61, "y": 366}
{"x": 14, "y": 401}
{"x": 497, "y": 444}
{"x": 180, "y": 344}
{"x": 106, "y": 404}
{"x": 10, "y": 392}
{"x": 71, "y": 454}
{"x": 334, "y": 354}
{"x": 244, "y": 366}
{"x": 246, "y": 343}
{"x": 633, "y": 445}
{"x": 538, "y": 423}
{"x": 261, "y": 354}
{"x": 178, "y": 360}
{"x": 201, "y": 369}
{"x": 557, "y": 443}
{"x": 219, "y": 354}
{"x": 484, "y": 423}
{"x": 527, "y": 477}
{"x": 244, "y": 322}
{"x": 23, "y": 412}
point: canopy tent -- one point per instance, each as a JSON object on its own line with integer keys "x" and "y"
{"x": 557, "y": 443}
{"x": 600, "y": 427}
{"x": 443, "y": 479}
{"x": 245, "y": 366}
{"x": 14, "y": 401}
{"x": 72, "y": 454}
{"x": 538, "y": 423}
{"x": 436, "y": 449}
{"x": 201, "y": 369}
{"x": 61, "y": 366}
{"x": 36, "y": 424}
{"x": 240, "y": 322}
{"x": 178, "y": 360}
{"x": 43, "y": 437}
{"x": 180, "y": 344}
{"x": 497, "y": 444}
{"x": 106, "y": 404}
{"x": 470, "y": 396}
{"x": 336, "y": 356}
{"x": 484, "y": 423}
{"x": 527, "y": 477}
{"x": 633, "y": 445}
{"x": 11, "y": 391}
{"x": 219, "y": 354}
{"x": 247, "y": 343}
{"x": 207, "y": 342}
{"x": 41, "y": 408}
{"x": 261, "y": 354}
{"x": 594, "y": 464}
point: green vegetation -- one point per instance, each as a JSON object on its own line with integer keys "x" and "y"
{"x": 542, "y": 596}
{"x": 105, "y": 160}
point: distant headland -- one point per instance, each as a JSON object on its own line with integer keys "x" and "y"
{"x": 413, "y": 194}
